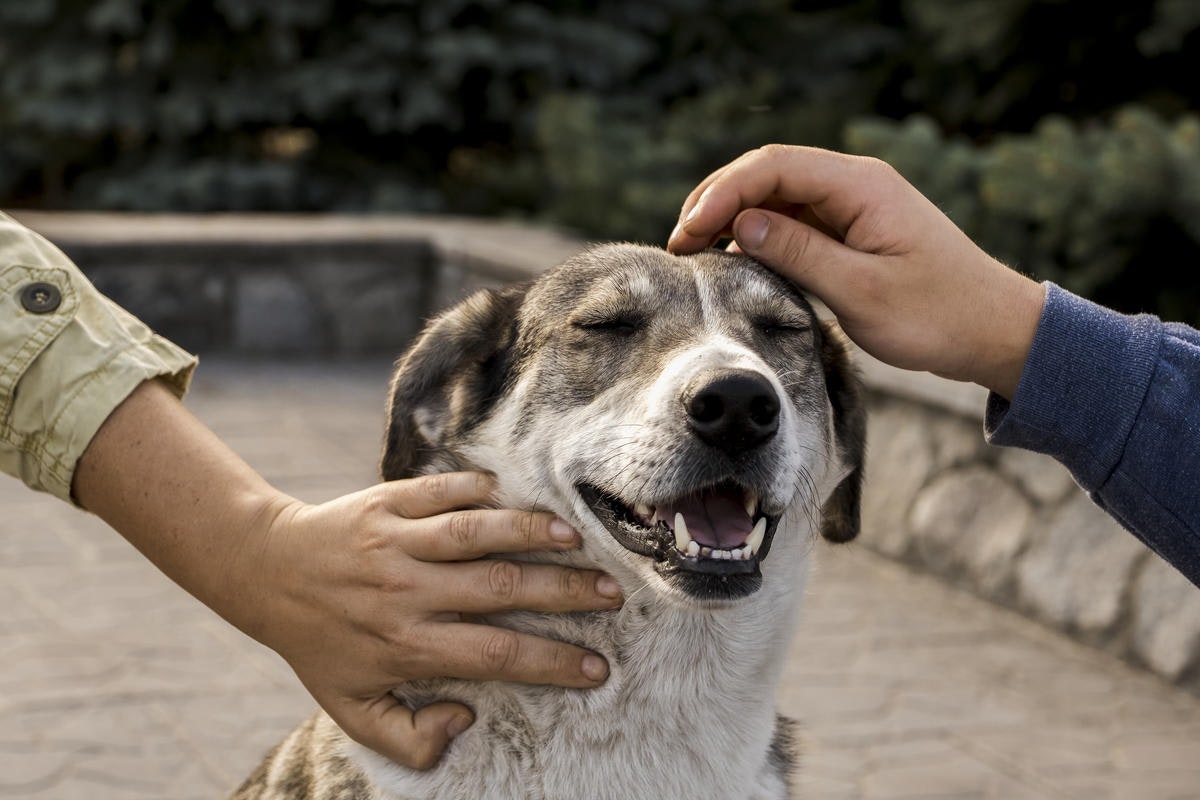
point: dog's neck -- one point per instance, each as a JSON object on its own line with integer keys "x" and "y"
{"x": 688, "y": 685}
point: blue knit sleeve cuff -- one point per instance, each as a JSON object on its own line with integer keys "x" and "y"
{"x": 1082, "y": 387}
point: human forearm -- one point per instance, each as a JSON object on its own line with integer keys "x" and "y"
{"x": 359, "y": 594}
{"x": 183, "y": 498}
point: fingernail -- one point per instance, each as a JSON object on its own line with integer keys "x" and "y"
{"x": 594, "y": 668}
{"x": 560, "y": 531}
{"x": 607, "y": 586}
{"x": 675, "y": 232}
{"x": 691, "y": 215}
{"x": 751, "y": 230}
{"x": 457, "y": 724}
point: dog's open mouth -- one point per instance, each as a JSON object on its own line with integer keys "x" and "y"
{"x": 716, "y": 531}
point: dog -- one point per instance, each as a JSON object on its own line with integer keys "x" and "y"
{"x": 699, "y": 425}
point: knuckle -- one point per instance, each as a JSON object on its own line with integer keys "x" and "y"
{"x": 368, "y": 541}
{"x": 501, "y": 652}
{"x": 795, "y": 244}
{"x": 774, "y": 151}
{"x": 563, "y": 661}
{"x": 394, "y": 582}
{"x": 409, "y": 648}
{"x": 401, "y": 499}
{"x": 876, "y": 169}
{"x": 374, "y": 500}
{"x": 464, "y": 531}
{"x": 504, "y": 579}
{"x": 527, "y": 527}
{"x": 435, "y": 487}
{"x": 573, "y": 584}
{"x": 371, "y": 542}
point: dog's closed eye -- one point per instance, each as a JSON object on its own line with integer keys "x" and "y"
{"x": 610, "y": 321}
{"x": 778, "y": 325}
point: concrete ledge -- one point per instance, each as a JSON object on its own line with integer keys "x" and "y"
{"x": 294, "y": 284}
{"x": 1008, "y": 525}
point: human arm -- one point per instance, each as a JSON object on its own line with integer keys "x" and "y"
{"x": 355, "y": 594}
{"x": 359, "y": 594}
{"x": 1116, "y": 399}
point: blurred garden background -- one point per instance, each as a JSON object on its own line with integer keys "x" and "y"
{"x": 1061, "y": 134}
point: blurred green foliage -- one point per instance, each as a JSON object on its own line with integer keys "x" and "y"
{"x": 1056, "y": 131}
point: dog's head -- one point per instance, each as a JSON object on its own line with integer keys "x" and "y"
{"x": 673, "y": 409}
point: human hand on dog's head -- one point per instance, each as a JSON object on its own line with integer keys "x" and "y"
{"x": 366, "y": 592}
{"x": 906, "y": 284}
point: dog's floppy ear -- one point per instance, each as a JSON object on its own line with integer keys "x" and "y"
{"x": 452, "y": 373}
{"x": 840, "y": 515}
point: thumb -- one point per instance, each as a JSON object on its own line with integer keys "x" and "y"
{"x": 795, "y": 250}
{"x": 415, "y": 739}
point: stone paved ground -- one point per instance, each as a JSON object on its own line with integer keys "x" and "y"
{"x": 115, "y": 684}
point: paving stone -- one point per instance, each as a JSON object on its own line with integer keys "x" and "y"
{"x": 116, "y": 684}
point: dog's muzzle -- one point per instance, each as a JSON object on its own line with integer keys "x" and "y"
{"x": 708, "y": 542}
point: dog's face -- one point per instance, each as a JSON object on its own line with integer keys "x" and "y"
{"x": 674, "y": 409}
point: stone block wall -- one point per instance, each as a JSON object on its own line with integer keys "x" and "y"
{"x": 1013, "y": 527}
{"x": 1007, "y": 525}
{"x": 294, "y": 285}
{"x": 319, "y": 298}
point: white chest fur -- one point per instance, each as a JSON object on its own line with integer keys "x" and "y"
{"x": 688, "y": 710}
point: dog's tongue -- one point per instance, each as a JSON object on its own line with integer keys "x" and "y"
{"x": 715, "y": 519}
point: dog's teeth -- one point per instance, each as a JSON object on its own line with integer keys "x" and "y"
{"x": 740, "y": 554}
{"x": 751, "y": 503}
{"x": 682, "y": 537}
{"x": 644, "y": 511}
{"x": 693, "y": 549}
{"x": 755, "y": 539}
{"x": 706, "y": 552}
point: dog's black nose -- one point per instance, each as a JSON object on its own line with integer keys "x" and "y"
{"x": 734, "y": 412}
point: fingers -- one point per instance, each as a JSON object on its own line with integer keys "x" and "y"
{"x": 800, "y": 253}
{"x": 455, "y": 535}
{"x": 833, "y": 184}
{"x": 436, "y": 494}
{"x": 465, "y": 535}
{"x": 497, "y": 585}
{"x": 415, "y": 739}
{"x": 481, "y": 652}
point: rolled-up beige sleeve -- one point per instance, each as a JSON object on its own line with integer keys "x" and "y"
{"x": 68, "y": 357}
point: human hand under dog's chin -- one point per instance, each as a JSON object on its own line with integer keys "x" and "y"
{"x": 365, "y": 592}
{"x": 906, "y": 284}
